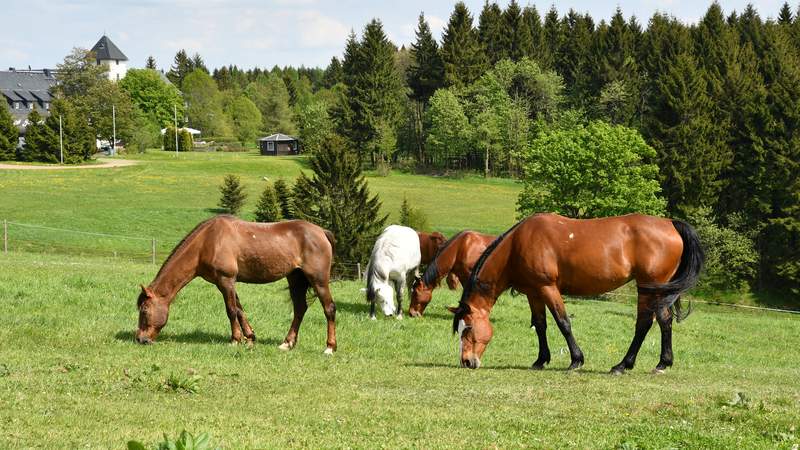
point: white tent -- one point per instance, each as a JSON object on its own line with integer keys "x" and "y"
{"x": 191, "y": 131}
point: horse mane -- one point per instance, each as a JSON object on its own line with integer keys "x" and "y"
{"x": 188, "y": 237}
{"x": 432, "y": 271}
{"x": 463, "y": 306}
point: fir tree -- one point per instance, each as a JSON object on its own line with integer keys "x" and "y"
{"x": 462, "y": 53}
{"x": 285, "y": 196}
{"x": 333, "y": 74}
{"x": 785, "y": 15}
{"x": 150, "y": 63}
{"x": 551, "y": 42}
{"x": 268, "y": 209}
{"x": 532, "y": 19}
{"x": 426, "y": 73}
{"x": 491, "y": 34}
{"x": 35, "y": 140}
{"x": 232, "y": 195}
{"x": 9, "y": 135}
{"x": 573, "y": 62}
{"x": 336, "y": 197}
{"x": 517, "y": 39}
{"x": 198, "y": 63}
{"x": 181, "y": 67}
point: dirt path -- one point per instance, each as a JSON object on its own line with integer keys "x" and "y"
{"x": 105, "y": 163}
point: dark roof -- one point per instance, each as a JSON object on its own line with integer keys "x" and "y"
{"x": 278, "y": 137}
{"x": 28, "y": 86}
{"x": 105, "y": 49}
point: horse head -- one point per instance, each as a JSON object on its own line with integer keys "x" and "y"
{"x": 474, "y": 333}
{"x": 421, "y": 295}
{"x": 153, "y": 315}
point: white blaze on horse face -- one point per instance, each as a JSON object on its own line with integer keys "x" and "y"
{"x": 462, "y": 326}
{"x": 385, "y": 296}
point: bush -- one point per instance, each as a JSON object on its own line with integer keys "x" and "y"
{"x": 285, "y": 195}
{"x": 185, "y": 142}
{"x": 731, "y": 256}
{"x": 268, "y": 208}
{"x": 233, "y": 195}
{"x": 412, "y": 217}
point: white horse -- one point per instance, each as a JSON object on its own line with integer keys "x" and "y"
{"x": 396, "y": 254}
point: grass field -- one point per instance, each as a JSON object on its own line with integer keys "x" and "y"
{"x": 71, "y": 376}
{"x": 164, "y": 197}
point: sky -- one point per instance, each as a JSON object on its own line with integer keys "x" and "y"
{"x": 261, "y": 33}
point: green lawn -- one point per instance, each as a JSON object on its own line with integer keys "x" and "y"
{"x": 71, "y": 376}
{"x": 164, "y": 197}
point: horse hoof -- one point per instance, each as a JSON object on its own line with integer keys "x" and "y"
{"x": 373, "y": 318}
{"x": 616, "y": 372}
{"x": 658, "y": 371}
{"x": 328, "y": 351}
{"x": 399, "y": 317}
{"x": 285, "y": 347}
{"x": 537, "y": 367}
{"x": 575, "y": 366}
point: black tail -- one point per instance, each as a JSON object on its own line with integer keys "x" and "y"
{"x": 686, "y": 277}
{"x": 370, "y": 282}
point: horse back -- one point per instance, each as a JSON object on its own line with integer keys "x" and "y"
{"x": 591, "y": 256}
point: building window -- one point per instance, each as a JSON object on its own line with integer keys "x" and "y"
{"x": 30, "y": 105}
{"x": 16, "y": 105}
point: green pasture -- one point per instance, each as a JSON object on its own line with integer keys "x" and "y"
{"x": 164, "y": 196}
{"x": 71, "y": 376}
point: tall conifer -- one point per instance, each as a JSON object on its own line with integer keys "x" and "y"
{"x": 462, "y": 53}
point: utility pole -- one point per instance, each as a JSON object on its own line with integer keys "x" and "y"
{"x": 175, "y": 114}
{"x": 114, "y": 127}
{"x": 61, "y": 138}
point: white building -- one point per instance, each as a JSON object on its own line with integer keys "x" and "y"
{"x": 109, "y": 54}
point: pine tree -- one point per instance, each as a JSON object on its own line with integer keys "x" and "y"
{"x": 491, "y": 34}
{"x": 232, "y": 195}
{"x": 333, "y": 74}
{"x": 285, "y": 196}
{"x": 336, "y": 197}
{"x": 517, "y": 39}
{"x": 532, "y": 19}
{"x": 9, "y": 135}
{"x": 181, "y": 67}
{"x": 268, "y": 209}
{"x": 462, "y": 53}
{"x": 198, "y": 63}
{"x": 35, "y": 140}
{"x": 426, "y": 73}
{"x": 551, "y": 42}
{"x": 573, "y": 62}
{"x": 785, "y": 15}
{"x": 151, "y": 63}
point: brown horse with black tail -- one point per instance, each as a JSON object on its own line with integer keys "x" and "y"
{"x": 547, "y": 255}
{"x": 224, "y": 250}
{"x": 455, "y": 260}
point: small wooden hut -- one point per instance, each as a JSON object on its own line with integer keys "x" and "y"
{"x": 279, "y": 145}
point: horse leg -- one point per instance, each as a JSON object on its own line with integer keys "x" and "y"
{"x": 539, "y": 321}
{"x": 246, "y": 328}
{"x": 644, "y": 320}
{"x": 324, "y": 293}
{"x": 227, "y": 288}
{"x": 372, "y": 310}
{"x": 398, "y": 292}
{"x": 554, "y": 302}
{"x": 664, "y": 318}
{"x": 298, "y": 286}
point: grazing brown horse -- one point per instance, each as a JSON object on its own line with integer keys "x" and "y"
{"x": 546, "y": 255}
{"x": 224, "y": 250}
{"x": 455, "y": 260}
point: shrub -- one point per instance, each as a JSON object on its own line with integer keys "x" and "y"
{"x": 185, "y": 142}
{"x": 232, "y": 195}
{"x": 268, "y": 208}
{"x": 285, "y": 195}
{"x": 412, "y": 217}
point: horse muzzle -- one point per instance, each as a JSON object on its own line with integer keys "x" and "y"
{"x": 143, "y": 339}
{"x": 472, "y": 362}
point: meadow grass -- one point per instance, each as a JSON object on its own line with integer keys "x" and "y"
{"x": 164, "y": 196}
{"x": 72, "y": 377}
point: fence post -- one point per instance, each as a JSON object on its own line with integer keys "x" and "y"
{"x": 358, "y": 267}
{"x": 153, "y": 251}
{"x": 5, "y": 236}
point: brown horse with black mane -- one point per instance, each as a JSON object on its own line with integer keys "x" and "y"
{"x": 455, "y": 260}
{"x": 547, "y": 255}
{"x": 224, "y": 250}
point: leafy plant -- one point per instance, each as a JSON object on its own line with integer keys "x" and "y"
{"x": 185, "y": 441}
{"x": 181, "y": 383}
{"x": 233, "y": 195}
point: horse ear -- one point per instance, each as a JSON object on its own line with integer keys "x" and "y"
{"x": 146, "y": 291}
{"x": 452, "y": 309}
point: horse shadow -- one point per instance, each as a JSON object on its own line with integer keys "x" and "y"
{"x": 195, "y": 337}
{"x": 508, "y": 367}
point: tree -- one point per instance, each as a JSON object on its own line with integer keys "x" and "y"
{"x": 181, "y": 67}
{"x": 35, "y": 140}
{"x": 205, "y": 104}
{"x": 314, "y": 124}
{"x": 232, "y": 195}
{"x": 333, "y": 74}
{"x": 593, "y": 171}
{"x": 271, "y": 97}
{"x": 268, "y": 209}
{"x": 517, "y": 39}
{"x": 449, "y": 130}
{"x": 198, "y": 63}
{"x": 9, "y": 135}
{"x": 462, "y": 53}
{"x": 532, "y": 19}
{"x": 426, "y": 73}
{"x": 149, "y": 64}
{"x": 42, "y": 141}
{"x": 336, "y": 197}
{"x": 185, "y": 142}
{"x": 160, "y": 101}
{"x": 412, "y": 217}
{"x": 245, "y": 118}
{"x": 491, "y": 32}
{"x": 285, "y": 194}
